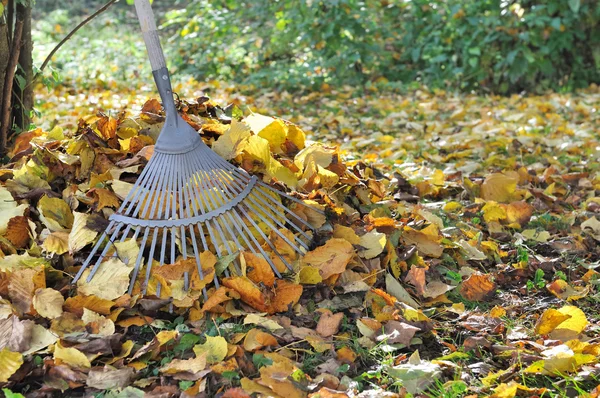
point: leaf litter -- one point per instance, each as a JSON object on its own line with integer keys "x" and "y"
{"x": 458, "y": 251}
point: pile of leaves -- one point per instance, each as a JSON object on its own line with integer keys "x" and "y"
{"x": 457, "y": 253}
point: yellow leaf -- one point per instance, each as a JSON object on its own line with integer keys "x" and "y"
{"x": 492, "y": 211}
{"x": 110, "y": 281}
{"x": 275, "y": 133}
{"x": 296, "y": 136}
{"x": 48, "y": 303}
{"x": 214, "y": 349}
{"x": 56, "y": 243}
{"x": 106, "y": 327}
{"x": 55, "y": 213}
{"x": 499, "y": 187}
{"x": 310, "y": 275}
{"x": 342, "y": 232}
{"x": 564, "y": 291}
{"x": 576, "y": 321}
{"x": 80, "y": 235}
{"x": 10, "y": 362}
{"x": 193, "y": 365}
{"x": 71, "y": 356}
{"x": 549, "y": 320}
{"x": 331, "y": 258}
{"x": 231, "y": 144}
{"x": 373, "y": 244}
{"x": 40, "y": 339}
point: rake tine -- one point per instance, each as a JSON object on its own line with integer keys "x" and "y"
{"x": 262, "y": 234}
{"x": 93, "y": 252}
{"x": 188, "y": 196}
{"x": 162, "y": 183}
{"x": 249, "y": 197}
{"x": 103, "y": 253}
{"x": 284, "y": 208}
{"x": 143, "y": 187}
{"x": 145, "y": 174}
{"x": 263, "y": 185}
{"x": 138, "y": 260}
{"x": 230, "y": 196}
{"x": 150, "y": 258}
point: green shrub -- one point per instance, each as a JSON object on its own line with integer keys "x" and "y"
{"x": 500, "y": 46}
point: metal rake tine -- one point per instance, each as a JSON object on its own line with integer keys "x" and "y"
{"x": 142, "y": 180}
{"x": 138, "y": 260}
{"x": 143, "y": 186}
{"x": 104, "y": 251}
{"x": 156, "y": 206}
{"x": 93, "y": 252}
{"x": 206, "y": 194}
{"x": 188, "y": 197}
{"x": 284, "y": 208}
{"x": 179, "y": 179}
{"x": 262, "y": 234}
{"x": 230, "y": 196}
{"x": 279, "y": 223}
{"x": 249, "y": 197}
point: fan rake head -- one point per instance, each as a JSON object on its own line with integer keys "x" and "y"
{"x": 185, "y": 203}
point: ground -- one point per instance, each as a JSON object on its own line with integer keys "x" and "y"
{"x": 456, "y": 256}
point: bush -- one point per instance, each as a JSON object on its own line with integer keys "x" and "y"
{"x": 499, "y": 46}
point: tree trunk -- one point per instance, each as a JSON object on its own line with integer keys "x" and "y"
{"x": 23, "y": 104}
{"x": 4, "y": 49}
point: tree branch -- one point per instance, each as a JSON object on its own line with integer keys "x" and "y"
{"x": 8, "y": 83}
{"x": 71, "y": 33}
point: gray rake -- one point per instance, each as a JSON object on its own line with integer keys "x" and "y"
{"x": 187, "y": 193}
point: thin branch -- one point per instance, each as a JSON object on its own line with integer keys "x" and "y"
{"x": 71, "y": 33}
{"x": 8, "y": 83}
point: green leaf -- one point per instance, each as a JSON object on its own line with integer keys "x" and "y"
{"x": 223, "y": 262}
{"x": 574, "y": 5}
{"x": 8, "y": 393}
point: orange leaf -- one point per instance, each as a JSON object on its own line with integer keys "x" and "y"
{"x": 329, "y": 323}
{"x": 260, "y": 270}
{"x": 331, "y": 258}
{"x": 286, "y": 294}
{"x": 77, "y": 303}
{"x": 248, "y": 291}
{"x": 477, "y": 287}
{"x": 218, "y": 297}
{"x": 256, "y": 339}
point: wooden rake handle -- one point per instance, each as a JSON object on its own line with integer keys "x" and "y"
{"x": 150, "y": 33}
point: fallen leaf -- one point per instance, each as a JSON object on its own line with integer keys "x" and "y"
{"x": 48, "y": 303}
{"x": 478, "y": 287}
{"x": 329, "y": 323}
{"x": 331, "y": 258}
{"x": 10, "y": 362}
{"x": 214, "y": 349}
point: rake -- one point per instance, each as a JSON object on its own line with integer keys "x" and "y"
{"x": 188, "y": 199}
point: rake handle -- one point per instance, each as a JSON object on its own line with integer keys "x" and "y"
{"x": 150, "y": 33}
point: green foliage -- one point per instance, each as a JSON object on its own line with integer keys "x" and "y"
{"x": 496, "y": 45}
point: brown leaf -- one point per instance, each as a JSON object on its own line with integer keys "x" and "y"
{"x": 17, "y": 231}
{"x": 107, "y": 378}
{"x": 329, "y": 323}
